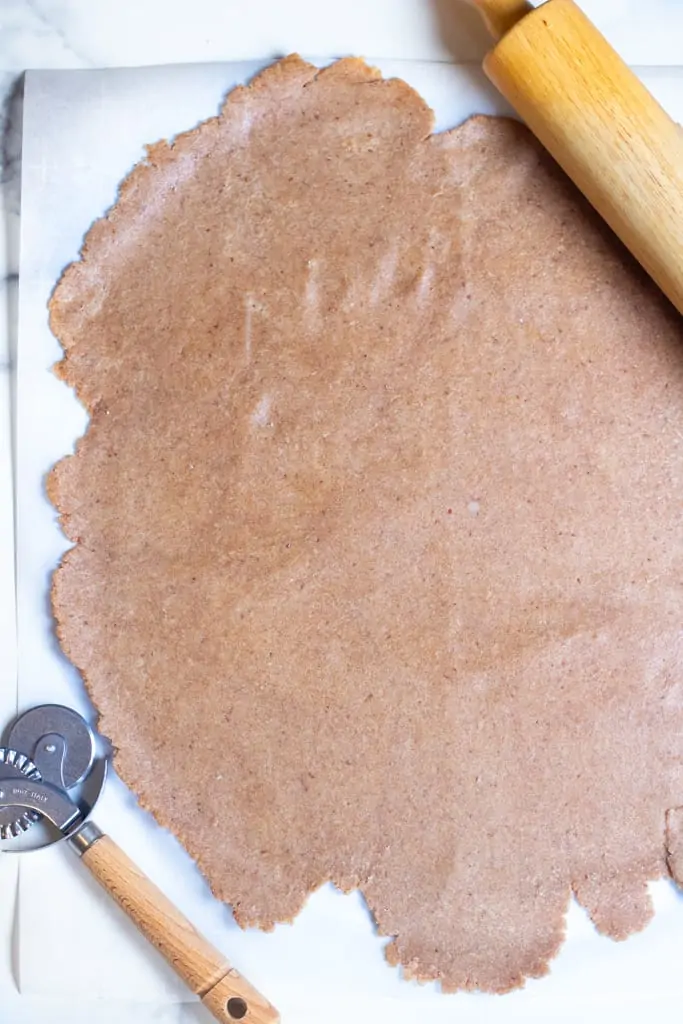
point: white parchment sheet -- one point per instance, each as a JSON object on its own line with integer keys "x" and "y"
{"x": 83, "y": 132}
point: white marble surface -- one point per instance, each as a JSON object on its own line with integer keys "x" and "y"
{"x": 108, "y": 33}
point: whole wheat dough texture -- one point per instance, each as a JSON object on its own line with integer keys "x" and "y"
{"x": 377, "y": 522}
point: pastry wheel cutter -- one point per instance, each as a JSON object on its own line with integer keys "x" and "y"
{"x": 53, "y": 767}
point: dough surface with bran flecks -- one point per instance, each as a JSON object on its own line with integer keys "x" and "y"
{"x": 377, "y": 522}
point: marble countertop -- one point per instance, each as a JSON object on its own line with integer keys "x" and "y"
{"x": 110, "y": 33}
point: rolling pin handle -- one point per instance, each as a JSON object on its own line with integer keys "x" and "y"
{"x": 501, "y": 15}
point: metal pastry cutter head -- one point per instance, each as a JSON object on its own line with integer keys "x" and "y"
{"x": 52, "y": 770}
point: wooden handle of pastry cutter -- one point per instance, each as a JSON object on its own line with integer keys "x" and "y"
{"x": 226, "y": 994}
{"x": 599, "y": 122}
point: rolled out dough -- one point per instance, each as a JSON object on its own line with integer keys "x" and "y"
{"x": 377, "y": 522}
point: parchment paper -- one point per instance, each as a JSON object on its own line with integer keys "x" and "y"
{"x": 83, "y": 131}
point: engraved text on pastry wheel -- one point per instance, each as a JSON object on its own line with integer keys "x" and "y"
{"x": 377, "y": 522}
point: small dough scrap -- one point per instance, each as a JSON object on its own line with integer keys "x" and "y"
{"x": 377, "y": 572}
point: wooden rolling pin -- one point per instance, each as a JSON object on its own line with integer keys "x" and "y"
{"x": 599, "y": 122}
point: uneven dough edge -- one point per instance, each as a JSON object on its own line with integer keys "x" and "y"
{"x": 75, "y": 279}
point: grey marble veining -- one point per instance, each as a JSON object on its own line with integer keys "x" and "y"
{"x": 10, "y": 199}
